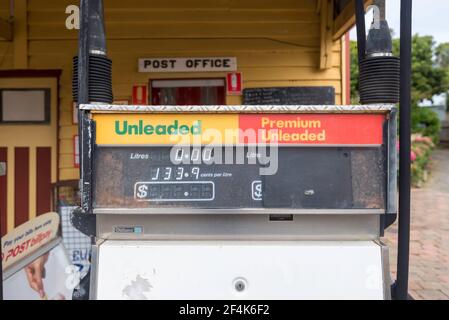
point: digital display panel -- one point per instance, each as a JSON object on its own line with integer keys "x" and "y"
{"x": 232, "y": 177}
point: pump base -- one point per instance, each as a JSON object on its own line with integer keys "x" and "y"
{"x": 222, "y": 270}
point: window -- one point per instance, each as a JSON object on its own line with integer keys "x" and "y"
{"x": 181, "y": 92}
{"x": 25, "y": 106}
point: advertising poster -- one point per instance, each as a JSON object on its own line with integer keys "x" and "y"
{"x": 35, "y": 264}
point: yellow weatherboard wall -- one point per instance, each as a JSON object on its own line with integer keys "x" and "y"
{"x": 276, "y": 43}
{"x": 12, "y": 136}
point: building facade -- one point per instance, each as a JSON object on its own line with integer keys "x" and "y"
{"x": 269, "y": 43}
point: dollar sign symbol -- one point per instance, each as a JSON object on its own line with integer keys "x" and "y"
{"x": 142, "y": 192}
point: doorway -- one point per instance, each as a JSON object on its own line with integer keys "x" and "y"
{"x": 28, "y": 148}
{"x": 188, "y": 92}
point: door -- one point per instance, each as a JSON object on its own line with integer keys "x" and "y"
{"x": 185, "y": 92}
{"x": 28, "y": 148}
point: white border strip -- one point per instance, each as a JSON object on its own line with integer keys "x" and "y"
{"x": 377, "y": 108}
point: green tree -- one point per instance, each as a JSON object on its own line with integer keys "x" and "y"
{"x": 442, "y": 55}
{"x": 428, "y": 78}
{"x": 442, "y": 60}
{"x": 355, "y": 97}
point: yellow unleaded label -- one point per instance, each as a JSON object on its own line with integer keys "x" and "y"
{"x": 166, "y": 129}
{"x": 231, "y": 129}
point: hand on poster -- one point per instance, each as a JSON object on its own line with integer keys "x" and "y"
{"x": 35, "y": 272}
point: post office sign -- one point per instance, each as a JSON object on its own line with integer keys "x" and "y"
{"x": 198, "y": 64}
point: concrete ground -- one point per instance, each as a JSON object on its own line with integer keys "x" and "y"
{"x": 429, "y": 246}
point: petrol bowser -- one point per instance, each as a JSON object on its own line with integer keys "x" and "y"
{"x": 245, "y": 202}
{"x": 241, "y": 202}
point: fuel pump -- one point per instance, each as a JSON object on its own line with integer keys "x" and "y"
{"x": 243, "y": 202}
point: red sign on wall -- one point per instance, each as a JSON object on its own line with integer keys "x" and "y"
{"x": 140, "y": 95}
{"x": 234, "y": 84}
{"x": 76, "y": 151}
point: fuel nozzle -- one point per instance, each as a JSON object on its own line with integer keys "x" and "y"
{"x": 100, "y": 66}
{"x": 379, "y": 69}
{"x": 97, "y": 37}
{"x": 379, "y": 40}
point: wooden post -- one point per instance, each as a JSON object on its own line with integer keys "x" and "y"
{"x": 327, "y": 22}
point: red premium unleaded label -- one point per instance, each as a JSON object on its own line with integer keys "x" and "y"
{"x": 312, "y": 129}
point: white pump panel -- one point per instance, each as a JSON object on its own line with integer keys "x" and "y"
{"x": 225, "y": 270}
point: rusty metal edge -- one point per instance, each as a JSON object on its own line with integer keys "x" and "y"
{"x": 378, "y": 108}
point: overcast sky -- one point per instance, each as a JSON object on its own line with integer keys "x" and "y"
{"x": 430, "y": 17}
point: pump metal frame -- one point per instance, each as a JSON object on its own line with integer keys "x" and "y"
{"x": 400, "y": 287}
